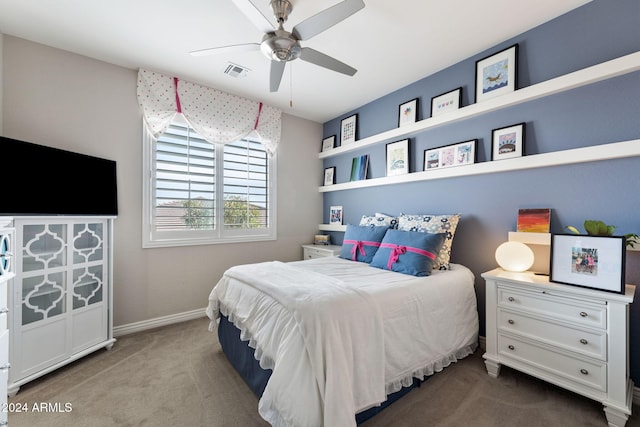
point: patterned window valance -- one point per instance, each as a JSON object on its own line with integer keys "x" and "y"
{"x": 217, "y": 116}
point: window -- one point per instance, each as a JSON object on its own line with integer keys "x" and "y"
{"x": 202, "y": 193}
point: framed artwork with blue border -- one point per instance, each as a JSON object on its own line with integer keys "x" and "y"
{"x": 497, "y": 74}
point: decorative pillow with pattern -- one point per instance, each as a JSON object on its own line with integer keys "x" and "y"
{"x": 379, "y": 220}
{"x": 408, "y": 252}
{"x": 360, "y": 243}
{"x": 434, "y": 224}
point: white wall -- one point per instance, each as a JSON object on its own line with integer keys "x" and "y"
{"x": 60, "y": 99}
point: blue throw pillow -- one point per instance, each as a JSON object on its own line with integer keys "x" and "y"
{"x": 408, "y": 252}
{"x": 361, "y": 242}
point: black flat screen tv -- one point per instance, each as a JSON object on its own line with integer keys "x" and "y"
{"x": 40, "y": 180}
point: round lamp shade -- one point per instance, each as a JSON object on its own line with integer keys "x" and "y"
{"x": 514, "y": 256}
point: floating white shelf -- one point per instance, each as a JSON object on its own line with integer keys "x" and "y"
{"x": 606, "y": 70}
{"x": 530, "y": 238}
{"x": 594, "y": 153}
{"x": 332, "y": 227}
{"x": 544, "y": 239}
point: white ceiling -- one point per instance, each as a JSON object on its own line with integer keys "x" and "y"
{"x": 391, "y": 43}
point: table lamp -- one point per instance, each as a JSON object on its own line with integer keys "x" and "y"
{"x": 514, "y": 256}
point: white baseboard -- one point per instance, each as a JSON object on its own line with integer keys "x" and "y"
{"x": 144, "y": 325}
{"x": 482, "y": 344}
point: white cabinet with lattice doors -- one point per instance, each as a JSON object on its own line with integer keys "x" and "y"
{"x": 6, "y": 274}
{"x": 61, "y": 299}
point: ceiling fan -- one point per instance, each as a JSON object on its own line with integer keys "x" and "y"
{"x": 282, "y": 46}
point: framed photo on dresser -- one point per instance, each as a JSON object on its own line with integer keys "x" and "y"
{"x": 596, "y": 262}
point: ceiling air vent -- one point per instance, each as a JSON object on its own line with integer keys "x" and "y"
{"x": 235, "y": 70}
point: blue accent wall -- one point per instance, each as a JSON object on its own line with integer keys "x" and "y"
{"x": 605, "y": 112}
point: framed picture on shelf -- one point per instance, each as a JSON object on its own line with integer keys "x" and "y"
{"x": 330, "y": 175}
{"x": 335, "y": 215}
{"x": 462, "y": 153}
{"x": 408, "y": 112}
{"x": 446, "y": 102}
{"x": 359, "y": 166}
{"x": 507, "y": 142}
{"x": 596, "y": 262}
{"x": 536, "y": 220}
{"x": 329, "y": 143}
{"x": 497, "y": 74}
{"x": 398, "y": 158}
{"x": 348, "y": 129}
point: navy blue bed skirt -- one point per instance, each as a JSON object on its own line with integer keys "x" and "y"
{"x": 241, "y": 357}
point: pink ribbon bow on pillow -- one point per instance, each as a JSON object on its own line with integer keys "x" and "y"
{"x": 395, "y": 254}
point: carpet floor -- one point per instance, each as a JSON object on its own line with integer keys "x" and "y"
{"x": 178, "y": 376}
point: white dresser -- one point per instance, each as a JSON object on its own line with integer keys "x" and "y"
{"x": 6, "y": 273}
{"x": 573, "y": 337}
{"x": 319, "y": 251}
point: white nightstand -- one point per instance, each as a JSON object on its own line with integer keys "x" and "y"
{"x": 319, "y": 251}
{"x": 573, "y": 337}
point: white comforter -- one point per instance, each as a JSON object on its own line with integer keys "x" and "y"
{"x": 377, "y": 330}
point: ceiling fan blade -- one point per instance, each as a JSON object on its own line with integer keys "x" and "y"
{"x": 254, "y": 15}
{"x": 277, "y": 69}
{"x": 319, "y": 58}
{"x": 246, "y": 47}
{"x": 326, "y": 19}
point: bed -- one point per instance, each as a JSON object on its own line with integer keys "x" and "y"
{"x": 332, "y": 338}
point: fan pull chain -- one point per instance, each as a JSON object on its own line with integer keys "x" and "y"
{"x": 291, "y": 85}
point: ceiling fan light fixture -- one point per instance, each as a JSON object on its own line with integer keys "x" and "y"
{"x": 280, "y": 47}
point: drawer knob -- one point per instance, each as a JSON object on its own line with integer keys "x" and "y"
{"x": 4, "y": 310}
{"x": 5, "y": 367}
{"x": 510, "y": 321}
{"x": 584, "y": 371}
{"x": 583, "y": 341}
{"x": 511, "y": 299}
{"x": 511, "y": 347}
{"x": 583, "y": 314}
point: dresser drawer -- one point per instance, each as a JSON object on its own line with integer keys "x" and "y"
{"x": 558, "y": 307}
{"x": 588, "y": 343}
{"x": 311, "y": 252}
{"x": 546, "y": 362}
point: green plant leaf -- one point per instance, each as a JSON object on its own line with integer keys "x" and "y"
{"x": 572, "y": 229}
{"x": 598, "y": 228}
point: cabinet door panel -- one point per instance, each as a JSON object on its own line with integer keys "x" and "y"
{"x": 40, "y": 347}
{"x": 89, "y": 327}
